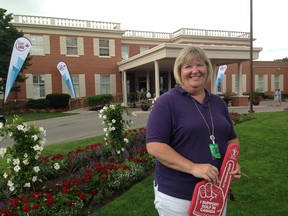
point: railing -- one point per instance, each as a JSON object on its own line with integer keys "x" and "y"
{"x": 73, "y": 23}
{"x": 63, "y": 22}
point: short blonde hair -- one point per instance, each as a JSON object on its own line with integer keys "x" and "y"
{"x": 185, "y": 56}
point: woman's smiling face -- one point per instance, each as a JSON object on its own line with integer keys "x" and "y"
{"x": 194, "y": 75}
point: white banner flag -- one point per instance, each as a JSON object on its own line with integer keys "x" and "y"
{"x": 20, "y": 51}
{"x": 221, "y": 72}
{"x": 62, "y": 67}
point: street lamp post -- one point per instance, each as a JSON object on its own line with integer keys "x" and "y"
{"x": 251, "y": 57}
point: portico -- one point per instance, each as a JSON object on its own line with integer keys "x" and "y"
{"x": 161, "y": 58}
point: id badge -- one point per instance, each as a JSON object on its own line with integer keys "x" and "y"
{"x": 214, "y": 149}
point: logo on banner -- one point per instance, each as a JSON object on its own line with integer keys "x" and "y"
{"x": 21, "y": 46}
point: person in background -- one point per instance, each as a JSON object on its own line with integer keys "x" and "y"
{"x": 184, "y": 124}
{"x": 279, "y": 97}
{"x": 148, "y": 95}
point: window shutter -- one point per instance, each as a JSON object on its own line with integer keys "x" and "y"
{"x": 97, "y": 84}
{"x": 82, "y": 83}
{"x": 80, "y": 43}
{"x": 48, "y": 84}
{"x": 46, "y": 44}
{"x": 29, "y": 86}
{"x": 96, "y": 46}
{"x": 63, "y": 49}
{"x": 113, "y": 84}
{"x": 112, "y": 48}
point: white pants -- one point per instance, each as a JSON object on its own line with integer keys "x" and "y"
{"x": 171, "y": 206}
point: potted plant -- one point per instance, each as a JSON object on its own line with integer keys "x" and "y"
{"x": 257, "y": 96}
{"x": 145, "y": 105}
{"x": 227, "y": 97}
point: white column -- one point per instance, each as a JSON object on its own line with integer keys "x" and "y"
{"x": 213, "y": 79}
{"x": 124, "y": 81}
{"x": 157, "y": 82}
{"x": 240, "y": 85}
{"x": 148, "y": 81}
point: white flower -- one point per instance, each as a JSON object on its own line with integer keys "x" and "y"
{"x": 36, "y": 147}
{"x": 104, "y": 117}
{"x": 12, "y": 188}
{"x": 100, "y": 115}
{"x": 16, "y": 161}
{"x": 5, "y": 175}
{"x": 36, "y": 169}
{"x": 3, "y": 152}
{"x": 20, "y": 127}
{"x": 56, "y": 166}
{"x": 36, "y": 157}
{"x": 26, "y": 161}
{"x": 25, "y": 155}
{"x": 42, "y": 131}
{"x": 34, "y": 178}
{"x": 105, "y": 129}
{"x": 27, "y": 185}
{"x": 126, "y": 140}
{"x": 113, "y": 121}
{"x": 17, "y": 168}
{"x": 118, "y": 151}
{"x": 122, "y": 149}
{"x": 42, "y": 141}
{"x": 10, "y": 183}
{"x": 101, "y": 111}
{"x": 35, "y": 137}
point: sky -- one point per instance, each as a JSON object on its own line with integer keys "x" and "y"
{"x": 269, "y": 17}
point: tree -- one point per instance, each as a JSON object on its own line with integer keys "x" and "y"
{"x": 8, "y": 35}
{"x": 281, "y": 60}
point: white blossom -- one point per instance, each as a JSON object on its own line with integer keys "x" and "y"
{"x": 5, "y": 175}
{"x": 118, "y": 151}
{"x": 104, "y": 117}
{"x": 34, "y": 178}
{"x": 17, "y": 168}
{"x": 20, "y": 127}
{"x": 27, "y": 185}
{"x": 56, "y": 166}
{"x": 36, "y": 169}
{"x": 113, "y": 121}
{"x": 16, "y": 161}
{"x": 34, "y": 137}
{"x": 105, "y": 129}
{"x": 126, "y": 140}
{"x": 25, "y": 155}
{"x": 26, "y": 161}
{"x": 36, "y": 147}
{"x": 42, "y": 131}
{"x": 3, "y": 152}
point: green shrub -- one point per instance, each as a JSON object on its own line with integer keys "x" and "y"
{"x": 37, "y": 104}
{"x": 58, "y": 101}
{"x": 99, "y": 100}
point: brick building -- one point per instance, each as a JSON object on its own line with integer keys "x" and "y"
{"x": 102, "y": 58}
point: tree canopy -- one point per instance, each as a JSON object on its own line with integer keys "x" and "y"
{"x": 281, "y": 60}
{"x": 8, "y": 35}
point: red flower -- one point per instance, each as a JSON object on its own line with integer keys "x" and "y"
{"x": 82, "y": 196}
{"x": 65, "y": 190}
{"x": 26, "y": 209}
{"x": 92, "y": 192}
{"x": 36, "y": 206}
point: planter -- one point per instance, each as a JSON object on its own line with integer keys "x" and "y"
{"x": 255, "y": 102}
{"x": 145, "y": 107}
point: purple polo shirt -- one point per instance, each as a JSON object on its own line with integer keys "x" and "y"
{"x": 175, "y": 120}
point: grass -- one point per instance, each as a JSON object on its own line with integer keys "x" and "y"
{"x": 262, "y": 191}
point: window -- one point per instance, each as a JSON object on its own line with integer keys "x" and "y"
{"x": 125, "y": 52}
{"x": 76, "y": 84}
{"x": 235, "y": 84}
{"x": 38, "y": 86}
{"x": 104, "y": 47}
{"x": 71, "y": 44}
{"x": 105, "y": 84}
{"x": 276, "y": 82}
{"x": 261, "y": 83}
{"x": 37, "y": 45}
{"x": 143, "y": 48}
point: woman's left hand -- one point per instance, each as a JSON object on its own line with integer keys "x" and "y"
{"x": 237, "y": 172}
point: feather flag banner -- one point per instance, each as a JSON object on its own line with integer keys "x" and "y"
{"x": 22, "y": 47}
{"x": 221, "y": 72}
{"x": 63, "y": 69}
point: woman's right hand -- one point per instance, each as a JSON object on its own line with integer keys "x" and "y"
{"x": 205, "y": 171}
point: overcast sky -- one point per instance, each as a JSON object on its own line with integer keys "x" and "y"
{"x": 269, "y": 17}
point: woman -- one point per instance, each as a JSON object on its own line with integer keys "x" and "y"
{"x": 188, "y": 131}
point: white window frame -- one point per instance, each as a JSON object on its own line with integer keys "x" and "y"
{"x": 39, "y": 86}
{"x": 71, "y": 48}
{"x": 125, "y": 52}
{"x": 144, "y": 48}
{"x": 105, "y": 84}
{"x": 104, "y": 48}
